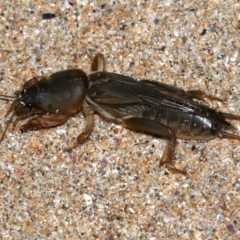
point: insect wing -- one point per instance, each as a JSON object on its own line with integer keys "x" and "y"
{"x": 118, "y": 91}
{"x": 113, "y": 89}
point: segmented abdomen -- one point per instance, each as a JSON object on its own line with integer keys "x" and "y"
{"x": 184, "y": 124}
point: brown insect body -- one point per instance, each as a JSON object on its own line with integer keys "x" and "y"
{"x": 156, "y": 108}
{"x": 145, "y": 106}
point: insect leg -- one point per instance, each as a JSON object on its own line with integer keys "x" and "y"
{"x": 155, "y": 128}
{"x": 87, "y": 130}
{"x": 44, "y": 121}
{"x": 178, "y": 92}
{"x": 82, "y": 137}
{"x": 97, "y": 62}
{"x": 200, "y": 95}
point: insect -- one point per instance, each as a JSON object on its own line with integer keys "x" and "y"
{"x": 145, "y": 106}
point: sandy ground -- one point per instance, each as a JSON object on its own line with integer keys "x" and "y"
{"x": 111, "y": 187}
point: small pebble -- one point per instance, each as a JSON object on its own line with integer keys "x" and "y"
{"x": 46, "y": 16}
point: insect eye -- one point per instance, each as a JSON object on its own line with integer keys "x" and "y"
{"x": 24, "y": 91}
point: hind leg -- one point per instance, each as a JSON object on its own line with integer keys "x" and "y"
{"x": 156, "y": 128}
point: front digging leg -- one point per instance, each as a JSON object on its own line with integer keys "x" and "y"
{"x": 44, "y": 121}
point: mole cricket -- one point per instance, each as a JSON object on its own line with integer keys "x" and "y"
{"x": 144, "y": 106}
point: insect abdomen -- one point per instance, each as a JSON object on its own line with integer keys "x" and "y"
{"x": 185, "y": 125}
